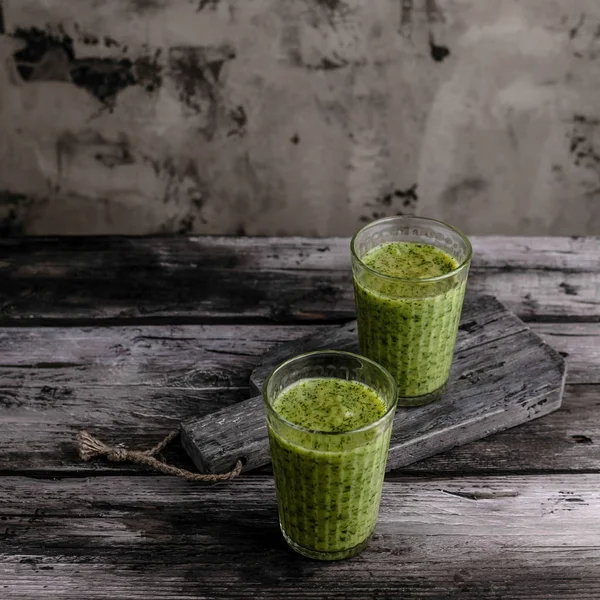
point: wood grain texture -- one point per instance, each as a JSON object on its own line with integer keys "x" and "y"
{"x": 45, "y": 401}
{"x": 443, "y": 534}
{"x": 123, "y": 383}
{"x": 579, "y": 343}
{"x": 201, "y": 279}
{"x": 191, "y": 357}
{"x": 218, "y": 440}
{"x": 483, "y": 320}
{"x": 567, "y": 440}
{"x": 40, "y": 440}
{"x": 502, "y": 375}
{"x": 154, "y": 537}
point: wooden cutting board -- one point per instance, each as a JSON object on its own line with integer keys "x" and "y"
{"x": 502, "y": 375}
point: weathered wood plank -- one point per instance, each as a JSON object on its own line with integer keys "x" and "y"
{"x": 567, "y": 440}
{"x": 38, "y": 426}
{"x": 502, "y": 376}
{"x": 483, "y": 320}
{"x": 124, "y": 383}
{"x": 124, "y": 538}
{"x": 191, "y": 357}
{"x": 277, "y": 279}
{"x": 579, "y": 343}
{"x": 39, "y": 438}
{"x": 41, "y": 408}
{"x": 202, "y": 356}
{"x": 198, "y": 278}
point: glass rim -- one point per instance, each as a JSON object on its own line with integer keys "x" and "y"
{"x": 455, "y": 271}
{"x": 372, "y": 425}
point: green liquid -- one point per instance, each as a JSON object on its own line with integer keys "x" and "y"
{"x": 410, "y": 328}
{"x": 329, "y": 482}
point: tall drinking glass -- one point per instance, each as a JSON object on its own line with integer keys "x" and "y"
{"x": 329, "y": 477}
{"x": 410, "y": 275}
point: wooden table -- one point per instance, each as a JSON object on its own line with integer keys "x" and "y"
{"x": 126, "y": 337}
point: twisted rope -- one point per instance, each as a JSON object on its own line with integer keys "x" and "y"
{"x": 90, "y": 447}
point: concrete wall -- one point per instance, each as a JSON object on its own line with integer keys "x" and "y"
{"x": 298, "y": 116}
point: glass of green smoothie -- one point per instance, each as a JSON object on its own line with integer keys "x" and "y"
{"x": 410, "y": 275}
{"x": 329, "y": 417}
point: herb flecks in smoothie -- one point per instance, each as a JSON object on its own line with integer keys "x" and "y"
{"x": 409, "y": 260}
{"x": 409, "y": 324}
{"x": 331, "y": 405}
{"x": 329, "y": 483}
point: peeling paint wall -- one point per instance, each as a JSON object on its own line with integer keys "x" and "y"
{"x": 298, "y": 116}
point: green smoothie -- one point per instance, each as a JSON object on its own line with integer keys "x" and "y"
{"x": 407, "y": 320}
{"x": 328, "y": 475}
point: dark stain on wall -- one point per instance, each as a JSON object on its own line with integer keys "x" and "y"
{"x": 196, "y": 71}
{"x": 433, "y": 12}
{"x": 184, "y": 184}
{"x": 50, "y": 57}
{"x": 115, "y": 154}
{"x": 334, "y": 16}
{"x": 372, "y": 217}
{"x": 186, "y": 224}
{"x": 240, "y": 119}
{"x": 148, "y": 72}
{"x": 588, "y": 34}
{"x": 1, "y": 18}
{"x": 584, "y": 147}
{"x": 399, "y": 202}
{"x": 11, "y": 198}
{"x": 438, "y": 53}
{"x": 11, "y": 221}
{"x": 583, "y": 142}
{"x": 330, "y": 64}
{"x": 330, "y": 4}
{"x": 406, "y": 17}
{"x": 327, "y": 63}
{"x": 88, "y": 39}
{"x": 109, "y": 153}
{"x": 573, "y": 32}
{"x": 146, "y": 5}
{"x": 104, "y": 78}
{"x": 43, "y": 52}
{"x": 207, "y": 4}
{"x": 464, "y": 191}
{"x": 408, "y": 197}
{"x": 11, "y": 225}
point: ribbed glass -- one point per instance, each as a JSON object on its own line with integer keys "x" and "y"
{"x": 409, "y": 326}
{"x": 329, "y": 484}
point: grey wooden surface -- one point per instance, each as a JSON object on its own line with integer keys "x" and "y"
{"x": 127, "y": 337}
{"x": 502, "y": 375}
